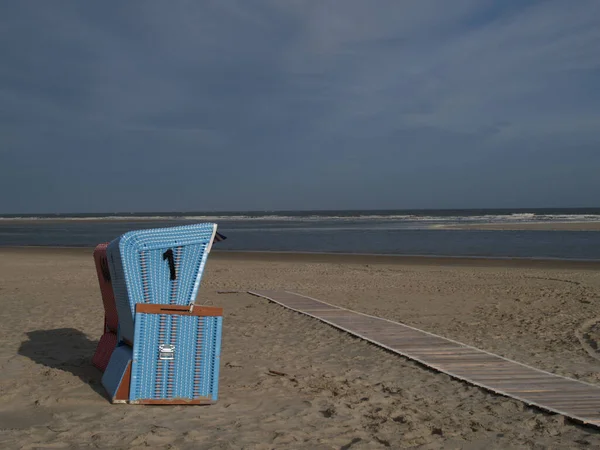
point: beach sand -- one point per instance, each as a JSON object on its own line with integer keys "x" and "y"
{"x": 338, "y": 392}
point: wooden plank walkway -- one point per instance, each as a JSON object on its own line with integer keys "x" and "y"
{"x": 572, "y": 398}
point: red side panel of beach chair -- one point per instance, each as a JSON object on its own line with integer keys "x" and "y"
{"x": 108, "y": 296}
{"x": 104, "y": 350}
{"x": 108, "y": 341}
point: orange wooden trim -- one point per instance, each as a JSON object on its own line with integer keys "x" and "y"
{"x": 180, "y": 310}
{"x": 123, "y": 390}
{"x": 175, "y": 401}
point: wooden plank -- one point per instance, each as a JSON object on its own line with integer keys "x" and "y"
{"x": 191, "y": 310}
{"x": 575, "y": 399}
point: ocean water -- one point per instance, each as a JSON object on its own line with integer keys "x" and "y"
{"x": 372, "y": 232}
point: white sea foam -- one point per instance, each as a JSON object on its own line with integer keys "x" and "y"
{"x": 401, "y": 218}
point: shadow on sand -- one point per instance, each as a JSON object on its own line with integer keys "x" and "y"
{"x": 66, "y": 349}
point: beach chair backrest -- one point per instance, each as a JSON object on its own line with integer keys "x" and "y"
{"x": 157, "y": 266}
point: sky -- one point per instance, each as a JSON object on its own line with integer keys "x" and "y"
{"x": 244, "y": 105}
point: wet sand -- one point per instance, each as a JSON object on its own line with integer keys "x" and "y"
{"x": 539, "y": 226}
{"x": 337, "y": 391}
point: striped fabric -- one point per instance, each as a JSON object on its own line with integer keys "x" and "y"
{"x": 191, "y": 375}
{"x": 157, "y": 266}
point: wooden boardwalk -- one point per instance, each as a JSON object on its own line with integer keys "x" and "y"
{"x": 575, "y": 399}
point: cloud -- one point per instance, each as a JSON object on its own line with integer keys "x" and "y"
{"x": 299, "y": 104}
{"x": 533, "y": 64}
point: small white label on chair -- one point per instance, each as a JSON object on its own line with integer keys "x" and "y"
{"x": 166, "y": 352}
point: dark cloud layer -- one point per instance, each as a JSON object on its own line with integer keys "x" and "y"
{"x": 239, "y": 105}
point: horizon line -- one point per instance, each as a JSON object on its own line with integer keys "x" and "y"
{"x": 281, "y": 211}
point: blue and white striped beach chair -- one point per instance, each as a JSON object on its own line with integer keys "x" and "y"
{"x": 169, "y": 349}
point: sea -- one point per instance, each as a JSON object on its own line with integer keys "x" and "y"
{"x": 388, "y": 232}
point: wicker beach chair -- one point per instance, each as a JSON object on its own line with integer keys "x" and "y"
{"x": 169, "y": 348}
{"x": 108, "y": 341}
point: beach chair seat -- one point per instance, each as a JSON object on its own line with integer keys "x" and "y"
{"x": 108, "y": 341}
{"x": 174, "y": 360}
{"x": 157, "y": 266}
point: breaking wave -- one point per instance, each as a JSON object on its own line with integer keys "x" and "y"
{"x": 424, "y": 217}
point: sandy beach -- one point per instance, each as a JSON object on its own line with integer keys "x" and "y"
{"x": 337, "y": 392}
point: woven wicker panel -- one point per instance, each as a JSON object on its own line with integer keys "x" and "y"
{"x": 192, "y": 375}
{"x": 157, "y": 266}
